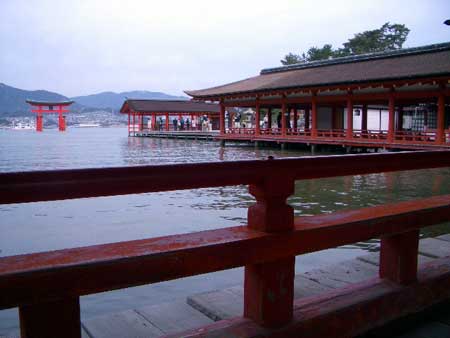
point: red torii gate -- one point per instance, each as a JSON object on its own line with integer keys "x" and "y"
{"x": 50, "y": 107}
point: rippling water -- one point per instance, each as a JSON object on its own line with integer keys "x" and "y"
{"x": 45, "y": 226}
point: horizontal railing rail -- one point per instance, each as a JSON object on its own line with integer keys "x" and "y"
{"x": 50, "y": 185}
{"x": 53, "y": 275}
{"x": 46, "y": 286}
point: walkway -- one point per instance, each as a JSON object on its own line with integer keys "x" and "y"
{"x": 205, "y": 308}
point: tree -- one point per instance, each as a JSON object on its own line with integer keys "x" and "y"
{"x": 387, "y": 37}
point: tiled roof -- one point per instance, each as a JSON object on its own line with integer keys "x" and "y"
{"x": 166, "y": 106}
{"x": 426, "y": 61}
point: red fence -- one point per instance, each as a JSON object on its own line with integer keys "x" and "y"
{"x": 46, "y": 286}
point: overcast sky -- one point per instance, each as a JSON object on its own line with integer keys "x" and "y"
{"x": 82, "y": 47}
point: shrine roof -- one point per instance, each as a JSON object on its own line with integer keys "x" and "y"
{"x": 412, "y": 63}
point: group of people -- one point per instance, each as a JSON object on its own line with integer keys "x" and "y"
{"x": 183, "y": 124}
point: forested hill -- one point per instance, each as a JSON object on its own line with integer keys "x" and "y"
{"x": 12, "y": 100}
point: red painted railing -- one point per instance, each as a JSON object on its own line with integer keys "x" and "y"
{"x": 47, "y": 286}
{"x": 416, "y": 136}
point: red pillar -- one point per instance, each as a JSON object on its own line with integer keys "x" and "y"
{"x": 399, "y": 118}
{"x": 269, "y": 118}
{"x": 39, "y": 123}
{"x": 61, "y": 122}
{"x": 134, "y": 124}
{"x": 391, "y": 126}
{"x": 283, "y": 116}
{"x": 269, "y": 287}
{"x": 167, "y": 121}
{"x": 440, "y": 119}
{"x": 364, "y": 119}
{"x": 154, "y": 121}
{"x": 222, "y": 118}
{"x": 129, "y": 119}
{"x": 314, "y": 116}
{"x": 295, "y": 118}
{"x": 349, "y": 133}
{"x": 307, "y": 118}
{"x": 257, "y": 118}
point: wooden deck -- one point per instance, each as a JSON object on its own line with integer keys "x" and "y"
{"x": 374, "y": 140}
{"x": 183, "y": 134}
{"x": 205, "y": 308}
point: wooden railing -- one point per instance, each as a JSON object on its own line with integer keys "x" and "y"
{"x": 332, "y": 133}
{"x": 46, "y": 286}
{"x": 428, "y": 136}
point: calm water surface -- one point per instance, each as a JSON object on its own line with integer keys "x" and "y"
{"x": 46, "y": 226}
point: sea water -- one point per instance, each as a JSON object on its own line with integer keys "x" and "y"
{"x": 43, "y": 226}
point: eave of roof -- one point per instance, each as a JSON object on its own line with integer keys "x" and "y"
{"x": 297, "y": 76}
{"x": 168, "y": 106}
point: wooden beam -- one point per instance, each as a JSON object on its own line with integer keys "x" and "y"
{"x": 81, "y": 183}
{"x": 51, "y": 276}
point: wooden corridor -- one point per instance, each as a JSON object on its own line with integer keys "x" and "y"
{"x": 46, "y": 286}
{"x": 205, "y": 308}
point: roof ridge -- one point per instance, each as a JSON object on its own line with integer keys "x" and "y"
{"x": 362, "y": 57}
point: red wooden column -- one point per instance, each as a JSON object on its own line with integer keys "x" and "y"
{"x": 134, "y": 124}
{"x": 61, "y": 121}
{"x": 39, "y": 123}
{"x": 398, "y": 257}
{"x": 400, "y": 118}
{"x": 314, "y": 115}
{"x": 222, "y": 118}
{"x": 129, "y": 121}
{"x": 391, "y": 126}
{"x": 167, "y": 121}
{"x": 364, "y": 119}
{"x": 257, "y": 118}
{"x": 53, "y": 319}
{"x": 440, "y": 118}
{"x": 307, "y": 119}
{"x": 295, "y": 118}
{"x": 349, "y": 131}
{"x": 269, "y": 287}
{"x": 269, "y": 119}
{"x": 283, "y": 115}
{"x": 153, "y": 121}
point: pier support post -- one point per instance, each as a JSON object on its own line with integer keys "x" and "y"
{"x": 313, "y": 149}
{"x": 54, "y": 319}
{"x": 269, "y": 287}
{"x": 222, "y": 143}
{"x": 283, "y": 146}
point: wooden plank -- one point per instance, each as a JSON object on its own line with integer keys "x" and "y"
{"x": 174, "y": 316}
{"x": 56, "y": 274}
{"x": 434, "y": 248}
{"x": 349, "y": 311}
{"x": 374, "y": 258}
{"x": 228, "y": 303}
{"x": 343, "y": 274}
{"x": 444, "y": 237}
{"x": 127, "y": 324}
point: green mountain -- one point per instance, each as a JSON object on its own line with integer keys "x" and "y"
{"x": 12, "y": 100}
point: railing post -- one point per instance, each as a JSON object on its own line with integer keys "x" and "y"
{"x": 398, "y": 257}
{"x": 269, "y": 287}
{"x": 51, "y": 320}
{"x": 314, "y": 115}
